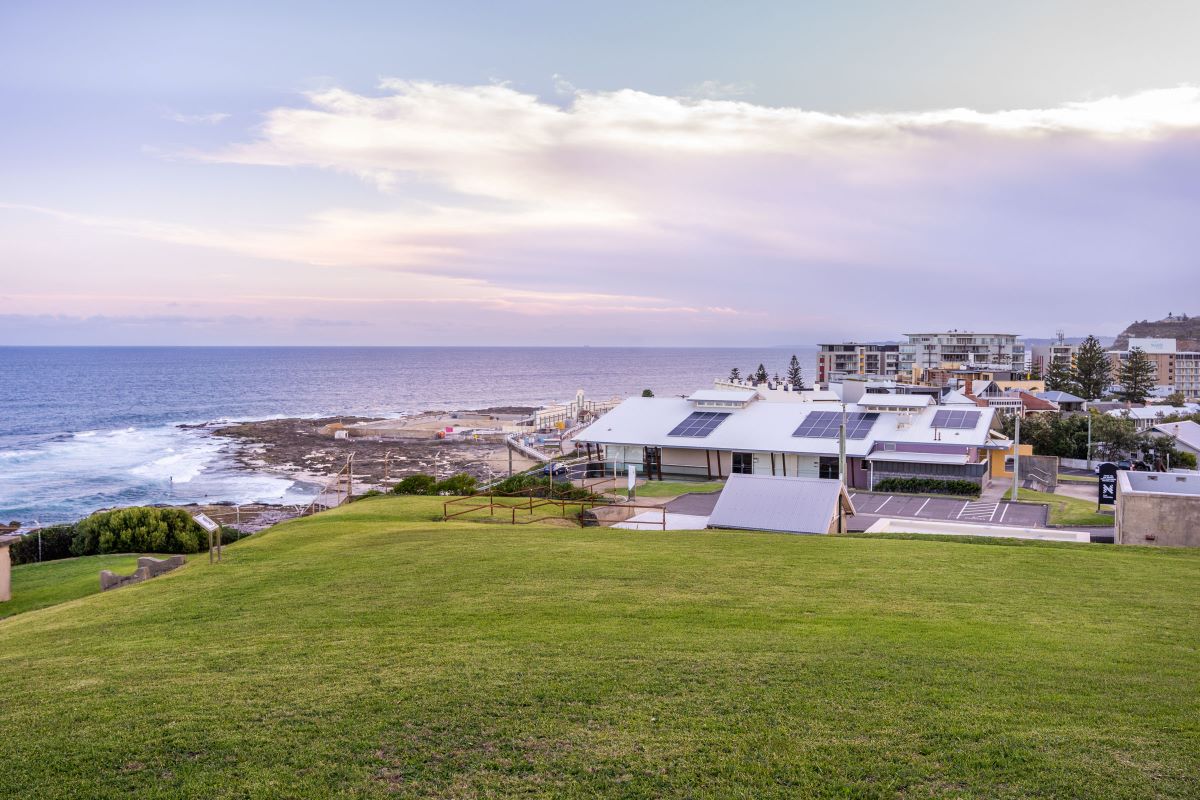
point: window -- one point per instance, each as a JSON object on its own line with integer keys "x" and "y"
{"x": 743, "y": 464}
{"x": 828, "y": 467}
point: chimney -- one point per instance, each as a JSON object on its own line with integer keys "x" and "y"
{"x": 853, "y": 390}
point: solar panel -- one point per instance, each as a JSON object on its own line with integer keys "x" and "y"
{"x": 947, "y": 418}
{"x": 825, "y": 424}
{"x": 699, "y": 423}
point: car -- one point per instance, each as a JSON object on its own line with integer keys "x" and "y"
{"x": 1124, "y": 464}
{"x": 554, "y": 469}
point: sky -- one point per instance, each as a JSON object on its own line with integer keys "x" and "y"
{"x": 614, "y": 173}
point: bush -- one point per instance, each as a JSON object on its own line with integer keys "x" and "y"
{"x": 139, "y": 530}
{"x": 541, "y": 486}
{"x": 460, "y": 484}
{"x": 56, "y": 544}
{"x": 928, "y": 486}
{"x": 416, "y": 484}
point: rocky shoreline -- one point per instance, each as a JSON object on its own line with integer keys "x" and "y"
{"x": 385, "y": 450}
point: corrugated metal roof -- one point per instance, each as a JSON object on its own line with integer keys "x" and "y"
{"x": 788, "y": 505}
{"x": 1186, "y": 433}
{"x": 767, "y": 427}
{"x": 1055, "y": 396}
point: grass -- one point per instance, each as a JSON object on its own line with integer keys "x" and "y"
{"x": 372, "y": 652}
{"x": 1066, "y": 510}
{"x": 52, "y": 582}
{"x": 672, "y": 488}
{"x": 1076, "y": 478}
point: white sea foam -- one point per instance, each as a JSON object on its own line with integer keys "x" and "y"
{"x": 163, "y": 464}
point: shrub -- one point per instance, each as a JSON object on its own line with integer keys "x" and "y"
{"x": 56, "y": 544}
{"x": 460, "y": 484}
{"x": 928, "y": 486}
{"x": 541, "y": 486}
{"x": 416, "y": 484}
{"x": 139, "y": 530}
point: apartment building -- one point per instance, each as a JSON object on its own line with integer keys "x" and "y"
{"x": 1042, "y": 356}
{"x": 835, "y": 361}
{"x": 925, "y": 351}
{"x": 1174, "y": 368}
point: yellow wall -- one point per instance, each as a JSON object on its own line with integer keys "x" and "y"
{"x": 1033, "y": 387}
{"x": 996, "y": 460}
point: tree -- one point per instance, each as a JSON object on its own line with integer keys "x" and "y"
{"x": 760, "y": 375}
{"x": 1060, "y": 377}
{"x": 1093, "y": 372}
{"x": 735, "y": 374}
{"x": 1136, "y": 376}
{"x": 647, "y": 393}
{"x": 794, "y": 374}
{"x": 1175, "y": 398}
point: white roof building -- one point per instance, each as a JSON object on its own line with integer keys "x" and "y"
{"x": 689, "y": 436}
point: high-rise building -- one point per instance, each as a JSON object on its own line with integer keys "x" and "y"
{"x": 962, "y": 348}
{"x": 1174, "y": 368}
{"x": 854, "y": 358}
{"x": 1042, "y": 356}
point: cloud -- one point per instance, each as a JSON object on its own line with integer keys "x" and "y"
{"x": 626, "y": 205}
{"x": 196, "y": 119}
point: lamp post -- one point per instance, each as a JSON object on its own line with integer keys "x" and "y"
{"x": 1016, "y": 459}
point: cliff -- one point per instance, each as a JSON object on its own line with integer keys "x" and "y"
{"x": 1183, "y": 327}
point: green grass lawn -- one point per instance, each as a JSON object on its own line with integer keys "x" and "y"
{"x": 672, "y": 488}
{"x": 1065, "y": 510}
{"x": 373, "y": 652}
{"x": 53, "y": 582}
{"x": 1076, "y": 478}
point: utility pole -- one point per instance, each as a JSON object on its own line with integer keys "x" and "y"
{"x": 1017, "y": 459}
{"x": 842, "y": 448}
{"x": 1089, "y": 450}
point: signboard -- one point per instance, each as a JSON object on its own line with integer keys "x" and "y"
{"x": 632, "y": 478}
{"x": 205, "y": 522}
{"x": 1108, "y": 484}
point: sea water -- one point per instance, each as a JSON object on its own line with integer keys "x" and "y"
{"x": 83, "y": 428}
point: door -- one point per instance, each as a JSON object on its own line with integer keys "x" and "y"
{"x": 828, "y": 467}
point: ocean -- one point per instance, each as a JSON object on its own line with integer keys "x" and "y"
{"x": 83, "y": 428}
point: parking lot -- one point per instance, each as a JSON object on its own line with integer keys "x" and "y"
{"x": 979, "y": 512}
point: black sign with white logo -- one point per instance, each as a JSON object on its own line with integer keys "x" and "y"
{"x": 1108, "y": 484}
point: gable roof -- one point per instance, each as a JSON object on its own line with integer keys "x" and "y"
{"x": 1055, "y": 396}
{"x": 769, "y": 427}
{"x": 1186, "y": 433}
{"x": 787, "y": 505}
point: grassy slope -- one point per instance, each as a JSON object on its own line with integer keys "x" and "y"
{"x": 1067, "y": 510}
{"x": 672, "y": 488}
{"x": 52, "y": 582}
{"x": 353, "y": 653}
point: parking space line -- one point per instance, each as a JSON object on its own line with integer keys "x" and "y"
{"x": 884, "y": 503}
{"x": 922, "y": 508}
{"x": 1005, "y": 511}
{"x": 995, "y": 508}
{"x": 961, "y": 510}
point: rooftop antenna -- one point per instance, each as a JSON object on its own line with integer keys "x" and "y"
{"x": 1061, "y": 336}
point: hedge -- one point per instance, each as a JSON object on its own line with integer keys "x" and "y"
{"x": 139, "y": 529}
{"x": 420, "y": 484}
{"x": 928, "y": 486}
{"x": 56, "y": 544}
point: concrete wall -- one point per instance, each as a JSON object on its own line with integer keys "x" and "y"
{"x": 1152, "y": 518}
{"x": 996, "y": 460}
{"x": 5, "y": 574}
